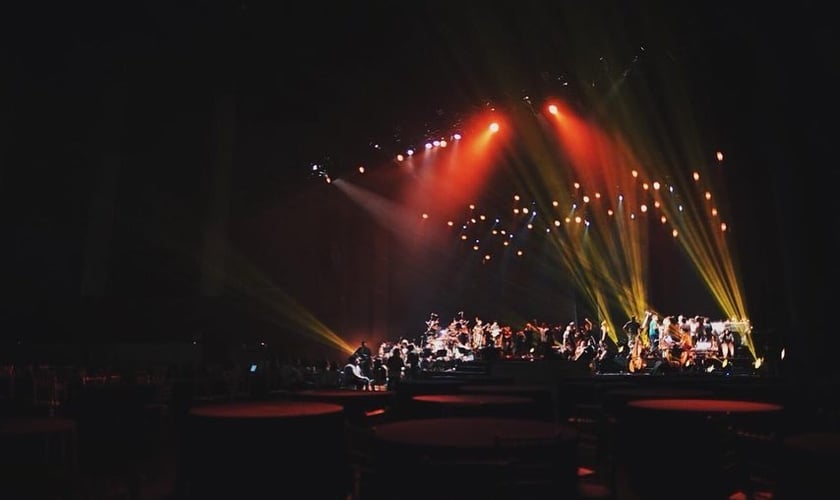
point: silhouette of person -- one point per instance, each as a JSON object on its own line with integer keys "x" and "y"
{"x": 631, "y": 328}
{"x": 353, "y": 375}
{"x": 365, "y": 355}
{"x": 395, "y": 365}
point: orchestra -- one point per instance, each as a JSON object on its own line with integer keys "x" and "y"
{"x": 681, "y": 342}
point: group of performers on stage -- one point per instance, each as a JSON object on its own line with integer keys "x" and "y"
{"x": 679, "y": 341}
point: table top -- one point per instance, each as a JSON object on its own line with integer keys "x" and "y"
{"x": 343, "y": 394}
{"x": 507, "y": 388}
{"x": 19, "y": 426}
{"x": 442, "y": 381}
{"x": 815, "y": 442}
{"x": 469, "y": 432}
{"x": 267, "y": 410}
{"x": 472, "y": 399}
{"x": 703, "y": 405}
{"x": 629, "y": 394}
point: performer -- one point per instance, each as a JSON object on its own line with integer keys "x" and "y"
{"x": 395, "y": 366}
{"x": 631, "y": 328}
{"x": 433, "y": 323}
{"x": 653, "y": 330}
{"x": 495, "y": 332}
{"x": 569, "y": 341}
{"x": 478, "y": 331}
{"x": 353, "y": 376}
{"x": 727, "y": 343}
{"x": 365, "y": 356}
{"x": 432, "y": 329}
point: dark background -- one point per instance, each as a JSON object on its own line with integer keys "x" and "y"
{"x": 155, "y": 180}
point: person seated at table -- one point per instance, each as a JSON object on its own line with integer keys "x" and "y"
{"x": 353, "y": 376}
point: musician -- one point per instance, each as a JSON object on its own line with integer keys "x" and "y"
{"x": 353, "y": 376}
{"x": 569, "y": 340}
{"x": 585, "y": 342}
{"x": 432, "y": 329}
{"x": 653, "y": 329}
{"x": 507, "y": 341}
{"x": 545, "y": 341}
{"x": 385, "y": 349}
{"x": 365, "y": 356}
{"x": 412, "y": 363}
{"x": 727, "y": 343}
{"x": 631, "y": 328}
{"x": 478, "y": 333}
{"x": 686, "y": 344}
{"x": 607, "y": 353}
{"x": 395, "y": 366}
{"x": 709, "y": 329}
{"x": 493, "y": 335}
{"x": 669, "y": 335}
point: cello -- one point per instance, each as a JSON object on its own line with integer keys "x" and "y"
{"x": 637, "y": 360}
{"x": 687, "y": 349}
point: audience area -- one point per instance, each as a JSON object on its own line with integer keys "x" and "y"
{"x": 107, "y": 433}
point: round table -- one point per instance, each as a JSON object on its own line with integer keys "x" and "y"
{"x": 808, "y": 464}
{"x": 703, "y": 406}
{"x": 357, "y": 404}
{"x": 697, "y": 434}
{"x": 236, "y": 450}
{"x": 543, "y": 396}
{"x": 615, "y": 399}
{"x": 274, "y": 410}
{"x": 471, "y": 433}
{"x": 475, "y": 456}
{"x": 450, "y": 405}
{"x": 45, "y": 440}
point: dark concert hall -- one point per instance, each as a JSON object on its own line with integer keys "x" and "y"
{"x": 418, "y": 250}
